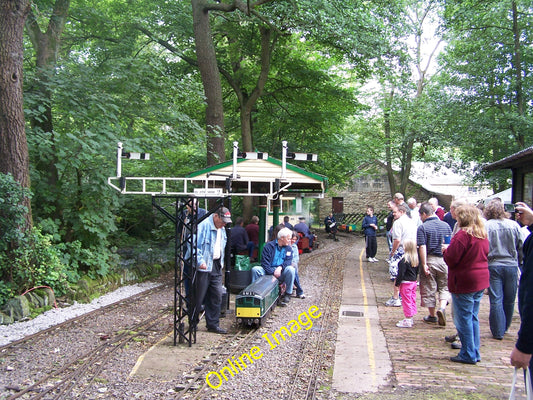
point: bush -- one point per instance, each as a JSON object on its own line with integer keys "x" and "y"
{"x": 27, "y": 258}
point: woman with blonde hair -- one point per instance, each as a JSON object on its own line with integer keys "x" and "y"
{"x": 468, "y": 276}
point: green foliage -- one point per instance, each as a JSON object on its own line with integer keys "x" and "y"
{"x": 12, "y": 211}
{"x": 27, "y": 258}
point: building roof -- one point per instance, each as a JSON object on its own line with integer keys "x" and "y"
{"x": 249, "y": 177}
{"x": 522, "y": 158}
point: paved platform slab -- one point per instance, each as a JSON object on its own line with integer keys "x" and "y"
{"x": 362, "y": 362}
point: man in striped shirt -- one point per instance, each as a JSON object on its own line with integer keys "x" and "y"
{"x": 433, "y": 270}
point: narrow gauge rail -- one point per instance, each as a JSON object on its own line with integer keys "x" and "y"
{"x": 312, "y": 363}
{"x": 305, "y": 380}
{"x": 60, "y": 384}
{"x": 82, "y": 317}
{"x": 231, "y": 346}
{"x": 75, "y": 338}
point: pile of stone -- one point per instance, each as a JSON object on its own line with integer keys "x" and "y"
{"x": 19, "y": 308}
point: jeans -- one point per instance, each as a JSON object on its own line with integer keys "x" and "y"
{"x": 502, "y": 294}
{"x": 389, "y": 239}
{"x": 287, "y": 276}
{"x": 465, "y": 318}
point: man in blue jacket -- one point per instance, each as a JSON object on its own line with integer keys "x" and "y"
{"x": 211, "y": 244}
{"x": 276, "y": 259}
{"x": 521, "y": 354}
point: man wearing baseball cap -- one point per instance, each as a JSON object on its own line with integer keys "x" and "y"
{"x": 211, "y": 244}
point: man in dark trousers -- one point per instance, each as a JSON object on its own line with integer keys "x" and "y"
{"x": 211, "y": 244}
{"x": 521, "y": 354}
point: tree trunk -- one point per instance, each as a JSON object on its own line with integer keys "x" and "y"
{"x": 388, "y": 144}
{"x": 14, "y": 156}
{"x": 207, "y": 63}
{"x": 518, "y": 75}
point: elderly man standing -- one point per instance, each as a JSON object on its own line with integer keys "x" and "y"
{"x": 433, "y": 270}
{"x": 211, "y": 244}
{"x": 413, "y": 206}
{"x": 399, "y": 200}
{"x": 403, "y": 229}
{"x": 437, "y": 209}
{"x": 276, "y": 259}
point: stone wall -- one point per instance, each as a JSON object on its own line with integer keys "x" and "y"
{"x": 375, "y": 191}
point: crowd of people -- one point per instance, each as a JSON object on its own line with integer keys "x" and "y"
{"x": 457, "y": 257}
{"x": 454, "y": 257}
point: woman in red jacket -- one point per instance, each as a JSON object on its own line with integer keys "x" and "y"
{"x": 468, "y": 276}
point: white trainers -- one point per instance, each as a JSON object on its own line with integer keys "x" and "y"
{"x": 375, "y": 259}
{"x": 405, "y": 323}
{"x": 370, "y": 259}
{"x": 392, "y": 302}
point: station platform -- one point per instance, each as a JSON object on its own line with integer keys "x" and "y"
{"x": 374, "y": 359}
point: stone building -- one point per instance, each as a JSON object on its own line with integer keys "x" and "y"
{"x": 372, "y": 189}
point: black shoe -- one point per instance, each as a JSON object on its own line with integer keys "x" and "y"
{"x": 441, "y": 316}
{"x": 460, "y": 360}
{"x": 451, "y": 338}
{"x": 285, "y": 299}
{"x": 430, "y": 320}
{"x": 217, "y": 329}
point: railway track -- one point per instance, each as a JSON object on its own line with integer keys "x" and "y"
{"x": 308, "y": 363}
{"x": 313, "y": 363}
{"x": 76, "y": 375}
{"x": 81, "y": 318}
{"x": 64, "y": 360}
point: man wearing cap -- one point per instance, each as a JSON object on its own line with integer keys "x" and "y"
{"x": 211, "y": 244}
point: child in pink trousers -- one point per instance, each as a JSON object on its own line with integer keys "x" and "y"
{"x": 406, "y": 280}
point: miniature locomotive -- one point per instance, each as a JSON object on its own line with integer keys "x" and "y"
{"x": 255, "y": 302}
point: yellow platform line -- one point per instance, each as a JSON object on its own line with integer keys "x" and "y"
{"x": 369, "y": 342}
{"x": 141, "y": 358}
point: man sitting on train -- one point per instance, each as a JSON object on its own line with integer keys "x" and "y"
{"x": 276, "y": 259}
{"x": 303, "y": 228}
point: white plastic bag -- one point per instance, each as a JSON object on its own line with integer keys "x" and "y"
{"x": 529, "y": 390}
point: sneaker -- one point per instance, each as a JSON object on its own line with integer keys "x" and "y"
{"x": 441, "y": 316}
{"x": 405, "y": 323}
{"x": 370, "y": 259}
{"x": 451, "y": 338}
{"x": 375, "y": 259}
{"x": 456, "y": 345}
{"x": 301, "y": 296}
{"x": 392, "y": 302}
{"x": 430, "y": 320}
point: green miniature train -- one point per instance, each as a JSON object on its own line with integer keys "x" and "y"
{"x": 256, "y": 301}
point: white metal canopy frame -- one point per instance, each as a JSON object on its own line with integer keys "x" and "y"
{"x": 248, "y": 174}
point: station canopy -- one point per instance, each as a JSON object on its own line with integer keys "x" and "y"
{"x": 257, "y": 177}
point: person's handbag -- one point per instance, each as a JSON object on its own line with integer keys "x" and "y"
{"x": 527, "y": 378}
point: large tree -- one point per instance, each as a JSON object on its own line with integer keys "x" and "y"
{"x": 486, "y": 85}
{"x": 14, "y": 157}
